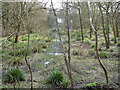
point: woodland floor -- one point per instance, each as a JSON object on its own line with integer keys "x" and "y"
{"x": 85, "y": 67}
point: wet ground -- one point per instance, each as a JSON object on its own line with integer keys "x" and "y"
{"x": 85, "y": 68}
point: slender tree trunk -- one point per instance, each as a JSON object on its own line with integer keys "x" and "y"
{"x": 103, "y": 27}
{"x": 80, "y": 19}
{"x": 96, "y": 41}
{"x": 63, "y": 51}
{"x": 108, "y": 44}
{"x": 116, "y": 26}
{"x": 91, "y": 31}
{"x": 26, "y": 54}
{"x": 113, "y": 25}
{"x": 69, "y": 56}
{"x": 114, "y": 33}
{"x": 18, "y": 21}
{"x": 98, "y": 57}
{"x": 17, "y": 33}
{"x": 28, "y": 64}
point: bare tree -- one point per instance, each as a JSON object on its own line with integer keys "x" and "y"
{"x": 69, "y": 56}
{"x": 96, "y": 40}
{"x": 63, "y": 51}
{"x": 28, "y": 64}
{"x": 80, "y": 19}
{"x": 103, "y": 26}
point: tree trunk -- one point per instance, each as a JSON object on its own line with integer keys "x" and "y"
{"x": 90, "y": 32}
{"x": 113, "y": 26}
{"x": 114, "y": 33}
{"x": 116, "y": 25}
{"x": 108, "y": 43}
{"x": 96, "y": 41}
{"x": 26, "y": 54}
{"x": 17, "y": 33}
{"x": 103, "y": 27}
{"x": 80, "y": 19}
{"x": 63, "y": 51}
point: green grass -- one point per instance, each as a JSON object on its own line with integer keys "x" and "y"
{"x": 91, "y": 84}
{"x": 55, "y": 78}
{"x": 94, "y": 68}
{"x": 103, "y": 55}
{"x": 13, "y": 75}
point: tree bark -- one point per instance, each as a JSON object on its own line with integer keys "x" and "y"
{"x": 17, "y": 33}
{"x": 26, "y": 54}
{"x": 113, "y": 26}
{"x": 96, "y": 48}
{"x": 80, "y": 19}
{"x": 69, "y": 56}
{"x": 63, "y": 51}
{"x": 107, "y": 13}
{"x": 103, "y": 27}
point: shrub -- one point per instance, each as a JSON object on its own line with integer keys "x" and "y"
{"x": 66, "y": 49}
{"x": 6, "y": 44}
{"x": 94, "y": 68}
{"x": 102, "y": 54}
{"x": 91, "y": 85}
{"x": 75, "y": 52}
{"x": 65, "y": 83}
{"x": 19, "y": 52}
{"x": 66, "y": 41}
{"x": 78, "y": 35}
{"x": 13, "y": 75}
{"x": 44, "y": 46}
{"x": 55, "y": 78}
{"x": 87, "y": 41}
{"x": 24, "y": 38}
{"x": 3, "y": 87}
{"x": 118, "y": 44}
{"x": 78, "y": 39}
{"x": 111, "y": 49}
{"x": 47, "y": 39}
{"x": 91, "y": 52}
{"x": 93, "y": 46}
{"x": 73, "y": 34}
{"x": 16, "y": 61}
{"x": 110, "y": 76}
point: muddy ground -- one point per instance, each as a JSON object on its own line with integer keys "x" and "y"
{"x": 85, "y": 68}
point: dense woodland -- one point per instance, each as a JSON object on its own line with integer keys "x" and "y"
{"x": 76, "y": 45}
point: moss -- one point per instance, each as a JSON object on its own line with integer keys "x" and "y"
{"x": 94, "y": 68}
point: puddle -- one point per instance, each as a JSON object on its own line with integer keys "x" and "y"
{"x": 48, "y": 61}
{"x": 54, "y": 54}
